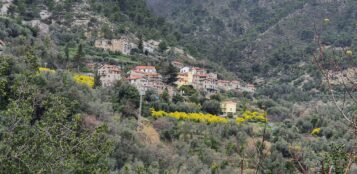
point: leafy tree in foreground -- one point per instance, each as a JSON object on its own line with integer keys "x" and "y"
{"x": 43, "y": 131}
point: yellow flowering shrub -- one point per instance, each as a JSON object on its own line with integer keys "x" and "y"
{"x": 42, "y": 69}
{"x": 83, "y": 79}
{"x": 252, "y": 116}
{"x": 199, "y": 117}
{"x": 316, "y": 131}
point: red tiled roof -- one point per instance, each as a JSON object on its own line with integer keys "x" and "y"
{"x": 134, "y": 77}
{"x": 145, "y": 67}
{"x": 223, "y": 81}
{"x": 176, "y": 62}
{"x": 198, "y": 68}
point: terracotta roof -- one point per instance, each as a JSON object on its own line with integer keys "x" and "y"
{"x": 198, "y": 68}
{"x": 134, "y": 77}
{"x": 145, "y": 67}
{"x": 147, "y": 74}
{"x": 177, "y": 62}
{"x": 223, "y": 81}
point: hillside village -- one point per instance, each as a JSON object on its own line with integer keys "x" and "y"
{"x": 147, "y": 77}
{"x": 170, "y": 86}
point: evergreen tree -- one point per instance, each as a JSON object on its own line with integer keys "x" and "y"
{"x": 170, "y": 74}
{"x": 162, "y": 46}
{"x": 97, "y": 82}
{"x": 78, "y": 58}
{"x": 165, "y": 96}
{"x": 66, "y": 52}
{"x": 141, "y": 44}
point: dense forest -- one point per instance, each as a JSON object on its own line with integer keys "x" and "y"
{"x": 300, "y": 55}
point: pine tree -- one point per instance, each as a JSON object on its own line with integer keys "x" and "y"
{"x": 141, "y": 44}
{"x": 66, "y": 52}
{"x": 165, "y": 96}
{"x": 78, "y": 58}
{"x": 97, "y": 82}
{"x": 170, "y": 74}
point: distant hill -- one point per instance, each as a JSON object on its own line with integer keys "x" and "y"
{"x": 258, "y": 37}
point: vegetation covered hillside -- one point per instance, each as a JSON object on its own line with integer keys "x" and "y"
{"x": 57, "y": 115}
{"x": 260, "y": 38}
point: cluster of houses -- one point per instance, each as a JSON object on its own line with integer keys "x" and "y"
{"x": 208, "y": 82}
{"x": 146, "y": 78}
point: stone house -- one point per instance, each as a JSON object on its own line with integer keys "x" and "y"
{"x": 229, "y": 107}
{"x": 115, "y": 45}
{"x": 226, "y": 85}
{"x": 109, "y": 74}
{"x": 248, "y": 88}
{"x": 145, "y": 78}
{"x": 197, "y": 70}
{"x": 204, "y": 83}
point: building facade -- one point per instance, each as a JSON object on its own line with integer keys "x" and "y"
{"x": 109, "y": 74}
{"x": 146, "y": 78}
{"x": 123, "y": 45}
{"x": 229, "y": 107}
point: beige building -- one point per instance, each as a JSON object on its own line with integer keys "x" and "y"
{"x": 109, "y": 74}
{"x": 229, "y": 107}
{"x": 199, "y": 78}
{"x": 123, "y": 45}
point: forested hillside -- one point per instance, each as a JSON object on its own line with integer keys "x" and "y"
{"x": 259, "y": 38}
{"x": 229, "y": 86}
